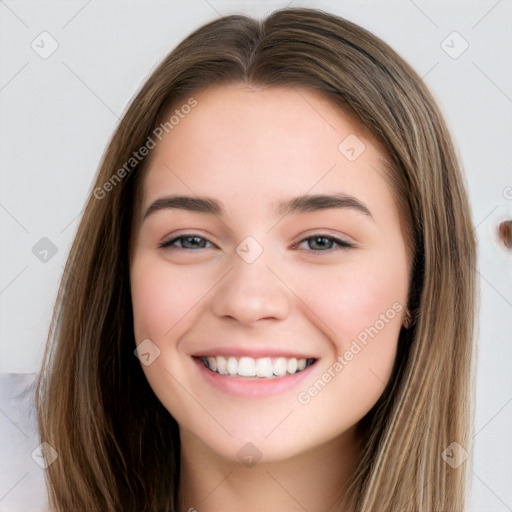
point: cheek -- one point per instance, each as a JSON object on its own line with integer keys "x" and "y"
{"x": 161, "y": 299}
{"x": 362, "y": 306}
{"x": 353, "y": 298}
{"x": 363, "y": 312}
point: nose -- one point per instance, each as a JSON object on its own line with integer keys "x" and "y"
{"x": 251, "y": 292}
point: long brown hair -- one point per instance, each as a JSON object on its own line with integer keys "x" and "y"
{"x": 118, "y": 447}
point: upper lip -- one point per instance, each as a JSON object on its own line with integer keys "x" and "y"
{"x": 255, "y": 353}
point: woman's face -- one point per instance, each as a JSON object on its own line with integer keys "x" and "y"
{"x": 257, "y": 275}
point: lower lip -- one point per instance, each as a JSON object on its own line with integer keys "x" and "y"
{"x": 253, "y": 388}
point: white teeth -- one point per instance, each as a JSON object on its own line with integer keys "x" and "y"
{"x": 232, "y": 366}
{"x": 280, "y": 367}
{"x": 222, "y": 365}
{"x": 264, "y": 367}
{"x": 247, "y": 367}
{"x": 212, "y": 363}
{"x": 291, "y": 365}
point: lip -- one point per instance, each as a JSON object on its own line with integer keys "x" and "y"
{"x": 252, "y": 388}
{"x": 252, "y": 352}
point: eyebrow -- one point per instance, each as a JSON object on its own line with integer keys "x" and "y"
{"x": 295, "y": 205}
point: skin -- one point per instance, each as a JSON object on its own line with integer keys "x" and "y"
{"x": 250, "y": 148}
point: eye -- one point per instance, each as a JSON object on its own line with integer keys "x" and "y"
{"x": 324, "y": 243}
{"x": 187, "y": 241}
{"x": 317, "y": 243}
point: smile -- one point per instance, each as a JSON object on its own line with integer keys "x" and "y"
{"x": 264, "y": 368}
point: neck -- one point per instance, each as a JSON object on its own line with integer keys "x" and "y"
{"x": 309, "y": 481}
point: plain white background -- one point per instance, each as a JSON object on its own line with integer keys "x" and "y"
{"x": 58, "y": 112}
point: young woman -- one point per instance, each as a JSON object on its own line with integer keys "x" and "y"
{"x": 269, "y": 302}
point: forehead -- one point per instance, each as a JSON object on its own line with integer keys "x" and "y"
{"x": 241, "y": 142}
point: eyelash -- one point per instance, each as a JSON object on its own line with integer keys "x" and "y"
{"x": 342, "y": 245}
